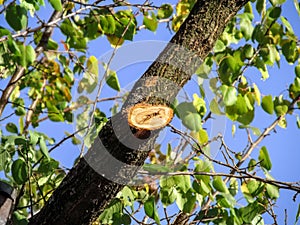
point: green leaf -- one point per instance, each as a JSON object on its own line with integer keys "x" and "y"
{"x": 251, "y": 165}
{"x": 275, "y": 12}
{"x": 298, "y": 122}
{"x": 254, "y": 187}
{"x": 290, "y": 51}
{"x": 203, "y": 136}
{"x": 205, "y": 68}
{"x": 241, "y": 106}
{"x": 107, "y": 24}
{"x": 12, "y": 128}
{"x": 297, "y": 215}
{"x": 219, "y": 184}
{"x": 272, "y": 191}
{"x": 219, "y": 47}
{"x": 187, "y": 112}
{"x": 297, "y": 6}
{"x": 19, "y": 218}
{"x": 225, "y": 200}
{"x": 214, "y": 107}
{"x": 113, "y": 81}
{"x": 249, "y": 212}
{"x": 56, "y": 4}
{"x": 168, "y": 196}
{"x": 248, "y": 51}
{"x": 115, "y": 207}
{"x": 34, "y": 137}
{"x": 67, "y": 28}
{"x": 256, "y": 131}
{"x": 20, "y": 111}
{"x": 264, "y": 158}
{"x": 264, "y": 72}
{"x": 199, "y": 104}
{"x": 156, "y": 168}
{"x": 167, "y": 182}
{"x": 16, "y": 16}
{"x": 43, "y": 147}
{"x": 246, "y": 25}
{"x": 229, "y": 95}
{"x": 150, "y": 22}
{"x": 267, "y": 104}
{"x": 19, "y": 171}
{"x": 56, "y": 117}
{"x": 261, "y": 6}
{"x": 30, "y": 55}
{"x": 281, "y": 106}
{"x": 246, "y": 118}
{"x": 183, "y": 182}
{"x": 151, "y": 210}
{"x": 287, "y": 24}
{"x": 125, "y": 22}
{"x": 278, "y": 2}
{"x": 164, "y": 11}
{"x": 233, "y": 186}
{"x": 186, "y": 201}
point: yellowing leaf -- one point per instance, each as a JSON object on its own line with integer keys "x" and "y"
{"x": 256, "y": 93}
{"x": 92, "y": 67}
{"x": 203, "y": 136}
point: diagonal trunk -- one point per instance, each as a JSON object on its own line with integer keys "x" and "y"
{"x": 119, "y": 150}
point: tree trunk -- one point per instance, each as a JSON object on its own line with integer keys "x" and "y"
{"x": 119, "y": 150}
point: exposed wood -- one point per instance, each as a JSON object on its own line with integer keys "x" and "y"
{"x": 117, "y": 153}
{"x": 145, "y": 116}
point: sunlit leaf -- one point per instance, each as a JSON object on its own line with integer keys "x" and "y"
{"x": 150, "y": 22}
{"x": 114, "y": 207}
{"x": 256, "y": 93}
{"x": 264, "y": 158}
{"x": 272, "y": 191}
{"x": 189, "y": 116}
{"x": 267, "y": 104}
{"x": 164, "y": 11}
{"x": 56, "y": 4}
{"x": 219, "y": 184}
{"x": 168, "y": 196}
{"x": 225, "y": 200}
{"x": 113, "y": 81}
{"x": 214, "y": 107}
{"x": 229, "y": 95}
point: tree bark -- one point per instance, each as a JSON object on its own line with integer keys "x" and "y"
{"x": 119, "y": 150}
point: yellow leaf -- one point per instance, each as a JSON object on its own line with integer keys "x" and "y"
{"x": 256, "y": 93}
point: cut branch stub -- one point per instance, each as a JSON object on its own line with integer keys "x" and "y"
{"x": 144, "y": 116}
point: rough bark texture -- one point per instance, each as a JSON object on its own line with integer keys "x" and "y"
{"x": 7, "y": 199}
{"x": 117, "y": 153}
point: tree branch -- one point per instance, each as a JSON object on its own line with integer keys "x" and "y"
{"x": 21, "y": 70}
